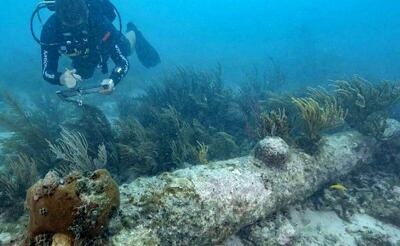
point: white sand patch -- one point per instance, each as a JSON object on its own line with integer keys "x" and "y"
{"x": 326, "y": 228}
{"x": 366, "y": 222}
{"x": 5, "y": 238}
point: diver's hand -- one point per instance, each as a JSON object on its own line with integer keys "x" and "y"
{"x": 108, "y": 86}
{"x": 69, "y": 78}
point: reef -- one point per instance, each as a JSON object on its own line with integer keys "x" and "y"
{"x": 204, "y": 205}
{"x": 73, "y": 209}
{"x": 166, "y": 144}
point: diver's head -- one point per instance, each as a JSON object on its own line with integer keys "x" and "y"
{"x": 72, "y": 13}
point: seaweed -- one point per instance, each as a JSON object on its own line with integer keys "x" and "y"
{"x": 135, "y": 150}
{"x": 177, "y": 140}
{"x": 251, "y": 97}
{"x": 194, "y": 95}
{"x": 202, "y": 153}
{"x": 161, "y": 129}
{"x": 21, "y": 172}
{"x": 167, "y": 142}
{"x": 34, "y": 126}
{"x": 320, "y": 111}
{"x": 30, "y": 130}
{"x": 223, "y": 146}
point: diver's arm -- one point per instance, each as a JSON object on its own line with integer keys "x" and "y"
{"x": 50, "y": 57}
{"x": 121, "y": 64}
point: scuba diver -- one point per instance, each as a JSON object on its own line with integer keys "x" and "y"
{"x": 83, "y": 31}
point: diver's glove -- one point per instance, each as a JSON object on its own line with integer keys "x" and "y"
{"x": 69, "y": 78}
{"x": 108, "y": 86}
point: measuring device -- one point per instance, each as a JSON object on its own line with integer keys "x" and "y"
{"x": 69, "y": 95}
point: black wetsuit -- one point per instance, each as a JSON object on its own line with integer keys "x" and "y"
{"x": 88, "y": 49}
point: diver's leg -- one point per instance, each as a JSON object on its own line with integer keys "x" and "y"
{"x": 131, "y": 35}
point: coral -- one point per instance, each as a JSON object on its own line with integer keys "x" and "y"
{"x": 375, "y": 124}
{"x": 363, "y": 98}
{"x": 319, "y": 114}
{"x": 272, "y": 151}
{"x": 77, "y": 206}
{"x": 202, "y": 153}
{"x": 274, "y": 123}
{"x": 72, "y": 148}
{"x": 92, "y": 123}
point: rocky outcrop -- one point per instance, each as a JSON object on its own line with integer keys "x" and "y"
{"x": 74, "y": 207}
{"x": 204, "y": 205}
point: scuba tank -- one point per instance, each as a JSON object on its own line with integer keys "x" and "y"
{"x": 104, "y": 7}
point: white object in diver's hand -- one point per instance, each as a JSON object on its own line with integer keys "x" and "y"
{"x": 108, "y": 86}
{"x": 69, "y": 78}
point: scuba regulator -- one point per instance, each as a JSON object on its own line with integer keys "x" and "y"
{"x": 50, "y": 5}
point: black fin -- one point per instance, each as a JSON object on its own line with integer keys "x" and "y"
{"x": 131, "y": 27}
{"x": 145, "y": 52}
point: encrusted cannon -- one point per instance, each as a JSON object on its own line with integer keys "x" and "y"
{"x": 205, "y": 204}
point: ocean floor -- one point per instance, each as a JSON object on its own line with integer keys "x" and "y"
{"x": 331, "y": 217}
{"x": 366, "y": 213}
{"x": 327, "y": 228}
{"x": 307, "y": 227}
{"x": 304, "y": 228}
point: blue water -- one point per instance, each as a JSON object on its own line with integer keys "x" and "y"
{"x": 313, "y": 40}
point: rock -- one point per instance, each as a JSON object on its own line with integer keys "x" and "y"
{"x": 5, "y": 238}
{"x": 233, "y": 241}
{"x": 276, "y": 230}
{"x": 77, "y": 206}
{"x": 396, "y": 192}
{"x": 285, "y": 234}
{"x": 62, "y": 240}
{"x": 272, "y": 151}
{"x": 392, "y": 129}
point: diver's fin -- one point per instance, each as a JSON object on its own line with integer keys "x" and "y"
{"x": 145, "y": 52}
{"x": 131, "y": 27}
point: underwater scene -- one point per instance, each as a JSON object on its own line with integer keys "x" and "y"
{"x": 214, "y": 122}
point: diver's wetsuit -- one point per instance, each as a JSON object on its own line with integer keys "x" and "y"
{"x": 87, "y": 49}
